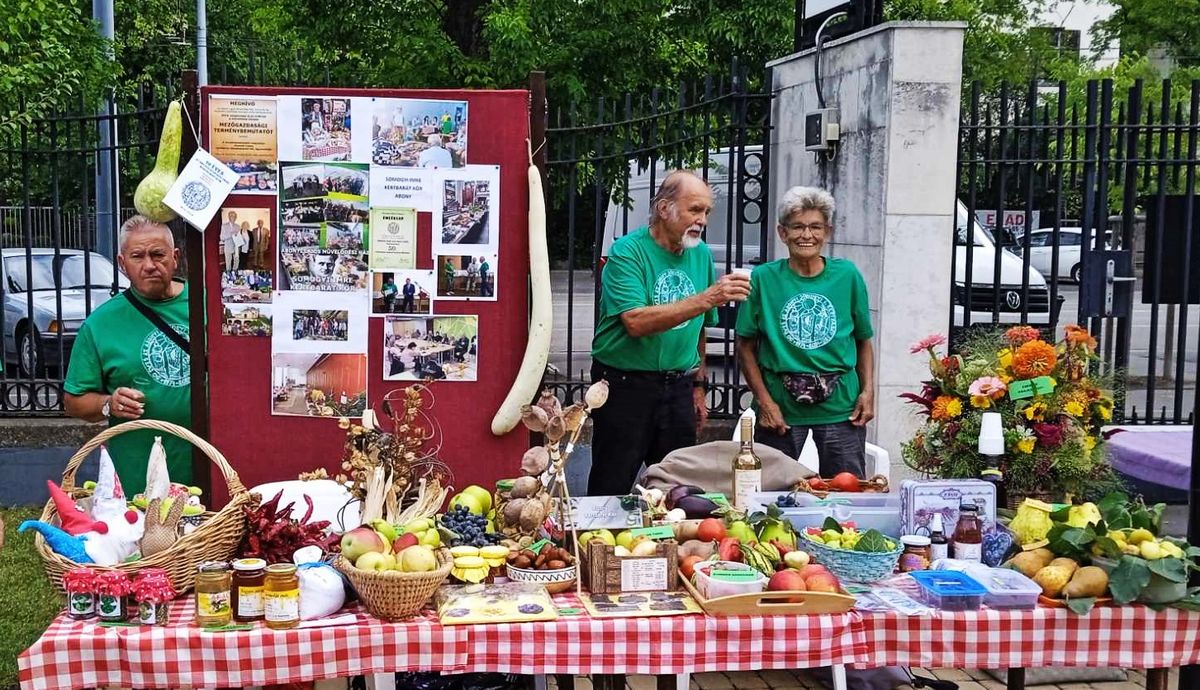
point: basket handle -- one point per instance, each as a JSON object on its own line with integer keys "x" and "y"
{"x": 231, "y": 478}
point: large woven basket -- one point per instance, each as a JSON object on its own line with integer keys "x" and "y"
{"x": 216, "y": 539}
{"x": 855, "y": 566}
{"x": 393, "y": 594}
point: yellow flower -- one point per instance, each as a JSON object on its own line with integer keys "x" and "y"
{"x": 1025, "y": 445}
{"x": 981, "y": 402}
{"x": 1089, "y": 442}
{"x": 946, "y": 407}
{"x": 1105, "y": 410}
{"x": 1035, "y": 412}
{"x": 1074, "y": 409}
{"x": 1006, "y": 357}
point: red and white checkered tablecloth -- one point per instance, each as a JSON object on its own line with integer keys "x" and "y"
{"x": 1110, "y": 636}
{"x": 663, "y": 645}
{"x": 73, "y": 654}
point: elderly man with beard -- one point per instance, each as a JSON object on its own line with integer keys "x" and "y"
{"x": 659, "y": 290}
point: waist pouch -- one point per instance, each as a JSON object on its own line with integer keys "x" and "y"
{"x": 811, "y": 389}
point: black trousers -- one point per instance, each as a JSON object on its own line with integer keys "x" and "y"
{"x": 648, "y": 414}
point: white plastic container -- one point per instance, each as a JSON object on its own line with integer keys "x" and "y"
{"x": 1006, "y": 589}
{"x": 882, "y": 515}
{"x": 711, "y": 589}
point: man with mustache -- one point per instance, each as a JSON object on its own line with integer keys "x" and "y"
{"x": 658, "y": 291}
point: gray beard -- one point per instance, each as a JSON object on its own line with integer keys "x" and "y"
{"x": 690, "y": 242}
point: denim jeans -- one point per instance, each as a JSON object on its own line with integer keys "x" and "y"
{"x": 841, "y": 447}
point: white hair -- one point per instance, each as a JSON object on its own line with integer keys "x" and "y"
{"x": 140, "y": 223}
{"x": 663, "y": 203}
{"x": 800, "y": 199}
{"x": 435, "y": 139}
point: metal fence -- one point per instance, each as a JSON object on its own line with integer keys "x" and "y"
{"x": 1111, "y": 178}
{"x": 58, "y": 229}
{"x": 604, "y": 164}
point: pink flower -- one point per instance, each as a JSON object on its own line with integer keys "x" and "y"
{"x": 927, "y": 343}
{"x": 1049, "y": 435}
{"x": 989, "y": 386}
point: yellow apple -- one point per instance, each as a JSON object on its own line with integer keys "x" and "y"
{"x": 374, "y": 560}
{"x": 418, "y": 559}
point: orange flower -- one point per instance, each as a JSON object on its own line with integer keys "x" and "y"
{"x": 1019, "y": 335}
{"x": 1034, "y": 358}
{"x": 1078, "y": 335}
{"x": 946, "y": 407}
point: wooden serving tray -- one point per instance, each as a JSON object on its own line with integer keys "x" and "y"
{"x": 771, "y": 603}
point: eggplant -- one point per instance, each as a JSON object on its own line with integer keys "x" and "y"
{"x": 679, "y": 491}
{"x": 696, "y": 507}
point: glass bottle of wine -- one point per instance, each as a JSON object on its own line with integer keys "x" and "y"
{"x": 747, "y": 469}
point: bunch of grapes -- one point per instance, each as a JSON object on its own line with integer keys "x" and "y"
{"x": 786, "y": 501}
{"x": 470, "y": 528}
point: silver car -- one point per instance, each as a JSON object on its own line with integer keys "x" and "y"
{"x": 46, "y": 299}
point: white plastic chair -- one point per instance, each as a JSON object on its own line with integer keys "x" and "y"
{"x": 878, "y": 460}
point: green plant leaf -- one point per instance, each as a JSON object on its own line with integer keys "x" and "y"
{"x": 1191, "y": 602}
{"x": 1109, "y": 547}
{"x": 1128, "y": 579}
{"x": 1081, "y": 606}
{"x": 1169, "y": 569}
{"x": 832, "y": 524}
{"x": 872, "y": 541}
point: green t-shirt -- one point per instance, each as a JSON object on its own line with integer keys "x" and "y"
{"x": 640, "y": 273}
{"x": 808, "y": 325}
{"x": 118, "y": 347}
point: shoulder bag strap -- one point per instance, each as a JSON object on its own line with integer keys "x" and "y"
{"x": 158, "y": 322}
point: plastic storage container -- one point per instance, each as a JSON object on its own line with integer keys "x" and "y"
{"x": 949, "y": 590}
{"x": 866, "y": 514}
{"x": 1006, "y": 589}
{"x": 711, "y": 588}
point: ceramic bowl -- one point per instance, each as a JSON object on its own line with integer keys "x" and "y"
{"x": 555, "y": 581}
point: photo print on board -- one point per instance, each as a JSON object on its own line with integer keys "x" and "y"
{"x": 318, "y": 385}
{"x": 246, "y": 320}
{"x": 467, "y": 276}
{"x": 324, "y": 217}
{"x": 325, "y": 133}
{"x": 469, "y": 211}
{"x": 402, "y": 292}
{"x": 245, "y": 239}
{"x": 440, "y": 347}
{"x": 410, "y": 132}
{"x": 318, "y": 322}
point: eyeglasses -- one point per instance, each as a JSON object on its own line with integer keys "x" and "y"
{"x": 810, "y": 228}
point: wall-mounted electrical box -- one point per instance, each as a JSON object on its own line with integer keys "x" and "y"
{"x": 821, "y": 130}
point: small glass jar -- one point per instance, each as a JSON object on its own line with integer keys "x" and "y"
{"x": 213, "y": 597}
{"x": 916, "y": 554}
{"x": 248, "y": 577}
{"x": 281, "y": 596}
{"x": 153, "y": 613}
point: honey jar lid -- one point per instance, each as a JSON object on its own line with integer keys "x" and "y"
{"x": 915, "y": 540}
{"x": 244, "y": 564}
{"x": 281, "y": 568}
{"x": 213, "y": 567}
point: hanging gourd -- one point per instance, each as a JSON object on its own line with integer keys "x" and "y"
{"x": 148, "y": 199}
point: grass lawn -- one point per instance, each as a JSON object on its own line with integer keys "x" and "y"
{"x": 28, "y": 601}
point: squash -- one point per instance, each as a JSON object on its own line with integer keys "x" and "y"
{"x": 148, "y": 199}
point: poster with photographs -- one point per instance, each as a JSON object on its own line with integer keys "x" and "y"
{"x": 324, "y": 220}
{"x": 242, "y": 133}
{"x": 318, "y": 385}
{"x": 419, "y": 133}
{"x": 443, "y": 348}
{"x": 246, "y": 240}
{"x": 467, "y": 276}
{"x": 246, "y": 320}
{"x": 394, "y": 242}
{"x": 402, "y": 292}
{"x": 469, "y": 210}
{"x": 318, "y": 322}
{"x": 324, "y": 128}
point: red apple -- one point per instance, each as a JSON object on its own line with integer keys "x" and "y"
{"x": 812, "y": 569}
{"x": 404, "y": 541}
{"x": 822, "y": 583}
{"x": 787, "y": 581}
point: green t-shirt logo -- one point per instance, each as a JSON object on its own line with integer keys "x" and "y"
{"x": 673, "y": 285}
{"x": 164, "y": 361}
{"x": 808, "y": 320}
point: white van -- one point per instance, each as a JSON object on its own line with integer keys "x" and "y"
{"x": 983, "y": 258}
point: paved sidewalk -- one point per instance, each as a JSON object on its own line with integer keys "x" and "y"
{"x": 800, "y": 680}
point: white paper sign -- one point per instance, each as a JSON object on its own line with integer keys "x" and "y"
{"x": 643, "y": 574}
{"x": 396, "y": 187}
{"x": 200, "y": 189}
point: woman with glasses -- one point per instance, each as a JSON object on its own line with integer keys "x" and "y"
{"x": 804, "y": 342}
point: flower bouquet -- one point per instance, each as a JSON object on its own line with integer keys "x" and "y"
{"x": 1052, "y": 409}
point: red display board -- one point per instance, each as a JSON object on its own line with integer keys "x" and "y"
{"x": 263, "y": 447}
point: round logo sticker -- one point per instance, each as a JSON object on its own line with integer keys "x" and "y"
{"x": 196, "y": 195}
{"x": 808, "y": 320}
{"x": 673, "y": 285}
{"x": 164, "y": 361}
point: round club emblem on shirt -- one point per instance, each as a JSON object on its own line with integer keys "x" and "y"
{"x": 673, "y": 285}
{"x": 808, "y": 320}
{"x": 196, "y": 195}
{"x": 164, "y": 361}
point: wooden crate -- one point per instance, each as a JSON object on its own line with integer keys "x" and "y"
{"x": 606, "y": 573}
{"x": 771, "y": 603}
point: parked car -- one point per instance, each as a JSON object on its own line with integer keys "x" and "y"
{"x": 1041, "y": 251}
{"x": 984, "y": 283}
{"x": 46, "y": 300}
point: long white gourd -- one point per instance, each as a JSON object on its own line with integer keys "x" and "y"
{"x": 537, "y": 350}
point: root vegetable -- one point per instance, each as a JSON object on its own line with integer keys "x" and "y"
{"x": 537, "y": 348}
{"x": 695, "y": 547}
{"x": 512, "y": 511}
{"x": 531, "y": 516}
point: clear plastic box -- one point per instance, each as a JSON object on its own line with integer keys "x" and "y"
{"x": 711, "y": 589}
{"x": 866, "y": 514}
{"x": 1006, "y": 589}
{"x": 949, "y": 590}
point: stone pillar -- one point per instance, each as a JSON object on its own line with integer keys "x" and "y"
{"x": 897, "y": 89}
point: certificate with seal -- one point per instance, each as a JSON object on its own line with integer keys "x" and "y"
{"x": 201, "y": 189}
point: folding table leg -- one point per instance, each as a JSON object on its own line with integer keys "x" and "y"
{"x": 679, "y": 681}
{"x": 839, "y": 677}
{"x": 1016, "y": 679}
{"x": 1157, "y": 678}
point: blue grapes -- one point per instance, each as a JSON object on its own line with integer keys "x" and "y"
{"x": 786, "y": 501}
{"x": 472, "y": 529}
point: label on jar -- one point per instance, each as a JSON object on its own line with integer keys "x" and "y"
{"x": 212, "y": 604}
{"x": 746, "y": 483}
{"x": 250, "y": 602}
{"x": 968, "y": 552}
{"x": 939, "y": 551}
{"x": 910, "y": 561}
{"x": 282, "y": 606}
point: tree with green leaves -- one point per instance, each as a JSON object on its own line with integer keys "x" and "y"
{"x": 1142, "y": 26}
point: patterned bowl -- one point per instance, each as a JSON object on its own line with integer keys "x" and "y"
{"x": 555, "y": 581}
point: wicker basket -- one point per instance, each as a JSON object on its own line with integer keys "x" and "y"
{"x": 216, "y": 539}
{"x": 854, "y": 566}
{"x": 393, "y": 594}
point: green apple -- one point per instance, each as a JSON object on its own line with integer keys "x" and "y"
{"x": 605, "y": 536}
{"x": 419, "y": 525}
{"x": 373, "y": 560}
{"x": 742, "y": 531}
{"x": 584, "y": 538}
{"x": 796, "y": 559}
{"x": 625, "y": 538}
{"x": 482, "y": 495}
{"x": 472, "y": 502}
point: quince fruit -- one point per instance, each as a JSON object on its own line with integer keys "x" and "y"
{"x": 1084, "y": 515}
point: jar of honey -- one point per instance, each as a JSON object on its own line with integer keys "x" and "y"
{"x": 916, "y": 554}
{"x": 248, "y": 577}
{"x": 213, "y": 598}
{"x": 281, "y": 596}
